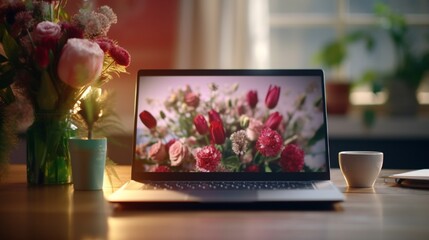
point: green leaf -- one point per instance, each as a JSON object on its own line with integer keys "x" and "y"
{"x": 267, "y": 168}
{"x": 231, "y": 163}
{"x": 318, "y": 135}
{"x": 11, "y": 48}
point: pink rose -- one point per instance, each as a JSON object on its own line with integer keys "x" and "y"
{"x": 47, "y": 33}
{"x": 80, "y": 63}
{"x": 254, "y": 129}
{"x": 157, "y": 152}
{"x": 178, "y": 153}
{"x": 192, "y": 99}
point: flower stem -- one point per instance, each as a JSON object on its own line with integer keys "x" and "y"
{"x": 90, "y": 128}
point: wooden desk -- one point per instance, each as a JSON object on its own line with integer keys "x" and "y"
{"x": 57, "y": 212}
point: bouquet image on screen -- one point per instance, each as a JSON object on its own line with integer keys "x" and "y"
{"x": 230, "y": 124}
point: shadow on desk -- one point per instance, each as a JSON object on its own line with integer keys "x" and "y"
{"x": 267, "y": 206}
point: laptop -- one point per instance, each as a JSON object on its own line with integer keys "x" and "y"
{"x": 230, "y": 136}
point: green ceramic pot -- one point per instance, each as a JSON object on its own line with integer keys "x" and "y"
{"x": 88, "y": 159}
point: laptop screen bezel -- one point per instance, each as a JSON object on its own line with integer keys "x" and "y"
{"x": 228, "y": 176}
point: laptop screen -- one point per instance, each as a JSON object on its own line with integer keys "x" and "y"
{"x": 230, "y": 124}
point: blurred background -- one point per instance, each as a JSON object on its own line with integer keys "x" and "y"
{"x": 375, "y": 55}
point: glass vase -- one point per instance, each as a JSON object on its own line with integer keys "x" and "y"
{"x": 48, "y": 157}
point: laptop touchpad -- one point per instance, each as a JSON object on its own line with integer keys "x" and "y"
{"x": 223, "y": 196}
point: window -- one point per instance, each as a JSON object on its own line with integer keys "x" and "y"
{"x": 298, "y": 29}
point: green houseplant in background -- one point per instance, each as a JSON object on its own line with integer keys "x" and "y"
{"x": 404, "y": 80}
{"x": 331, "y": 57}
{"x": 93, "y": 115}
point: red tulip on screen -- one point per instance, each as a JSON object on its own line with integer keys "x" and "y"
{"x": 272, "y": 97}
{"x": 147, "y": 119}
{"x": 252, "y": 98}
{"x": 274, "y": 120}
{"x": 217, "y": 132}
{"x": 214, "y": 116}
{"x": 201, "y": 124}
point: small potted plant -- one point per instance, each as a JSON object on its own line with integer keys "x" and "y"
{"x": 88, "y": 154}
{"x": 331, "y": 57}
{"x": 411, "y": 65}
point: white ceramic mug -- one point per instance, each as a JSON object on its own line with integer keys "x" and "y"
{"x": 360, "y": 168}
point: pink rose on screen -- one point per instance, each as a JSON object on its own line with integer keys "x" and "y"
{"x": 201, "y": 125}
{"x": 192, "y": 99}
{"x": 269, "y": 143}
{"x": 217, "y": 132}
{"x": 252, "y": 168}
{"x": 252, "y": 98}
{"x": 169, "y": 143}
{"x": 272, "y": 97}
{"x": 178, "y": 153}
{"x": 274, "y": 120}
{"x": 147, "y": 119}
{"x": 292, "y": 158}
{"x": 162, "y": 168}
{"x": 157, "y": 152}
{"x": 80, "y": 63}
{"x": 214, "y": 116}
{"x": 47, "y": 33}
{"x": 208, "y": 158}
{"x": 254, "y": 129}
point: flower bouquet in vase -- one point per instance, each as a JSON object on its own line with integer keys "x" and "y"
{"x": 52, "y": 59}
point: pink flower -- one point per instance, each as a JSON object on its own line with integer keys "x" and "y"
{"x": 208, "y": 158}
{"x": 148, "y": 119}
{"x": 178, "y": 153}
{"x": 214, "y": 116}
{"x": 140, "y": 151}
{"x": 47, "y": 33}
{"x": 217, "y": 132}
{"x": 272, "y": 97}
{"x": 169, "y": 143}
{"x": 292, "y": 158}
{"x": 201, "y": 125}
{"x": 252, "y": 98}
{"x": 192, "y": 99}
{"x": 162, "y": 168}
{"x": 120, "y": 55}
{"x": 274, "y": 120}
{"x": 80, "y": 63}
{"x": 269, "y": 143}
{"x": 252, "y": 168}
{"x": 254, "y": 129}
{"x": 157, "y": 152}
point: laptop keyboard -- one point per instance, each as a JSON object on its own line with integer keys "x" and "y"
{"x": 228, "y": 185}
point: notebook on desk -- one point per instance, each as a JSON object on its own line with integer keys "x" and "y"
{"x": 229, "y": 136}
